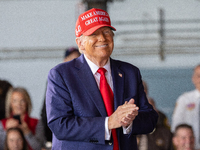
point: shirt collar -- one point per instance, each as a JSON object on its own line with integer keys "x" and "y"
{"x": 94, "y": 67}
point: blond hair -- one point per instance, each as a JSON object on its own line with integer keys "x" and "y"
{"x": 26, "y": 96}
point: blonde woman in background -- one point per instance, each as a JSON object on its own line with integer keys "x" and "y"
{"x": 18, "y": 109}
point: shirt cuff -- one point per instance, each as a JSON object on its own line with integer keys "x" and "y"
{"x": 128, "y": 129}
{"x": 107, "y": 131}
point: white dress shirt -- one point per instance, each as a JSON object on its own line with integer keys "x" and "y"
{"x": 108, "y": 76}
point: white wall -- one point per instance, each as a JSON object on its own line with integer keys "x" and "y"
{"x": 51, "y": 23}
{"x": 45, "y": 23}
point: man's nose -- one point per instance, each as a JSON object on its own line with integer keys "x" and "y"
{"x": 101, "y": 37}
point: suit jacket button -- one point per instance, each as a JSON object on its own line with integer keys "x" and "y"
{"x": 110, "y": 143}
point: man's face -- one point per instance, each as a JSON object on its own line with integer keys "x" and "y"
{"x": 196, "y": 78}
{"x": 99, "y": 45}
{"x": 184, "y": 140}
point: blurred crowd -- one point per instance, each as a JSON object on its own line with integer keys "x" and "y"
{"x": 19, "y": 131}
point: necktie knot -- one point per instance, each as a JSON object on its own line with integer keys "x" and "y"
{"x": 102, "y": 71}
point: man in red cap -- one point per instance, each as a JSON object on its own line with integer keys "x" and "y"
{"x": 95, "y": 102}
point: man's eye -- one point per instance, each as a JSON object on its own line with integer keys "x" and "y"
{"x": 106, "y": 32}
{"x": 93, "y": 34}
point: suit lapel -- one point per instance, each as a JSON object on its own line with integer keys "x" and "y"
{"x": 118, "y": 83}
{"x": 90, "y": 86}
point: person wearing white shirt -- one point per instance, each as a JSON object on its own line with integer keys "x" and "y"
{"x": 187, "y": 109}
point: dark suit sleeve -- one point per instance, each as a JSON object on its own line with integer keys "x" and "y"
{"x": 65, "y": 102}
{"x": 130, "y": 82}
{"x": 147, "y": 117}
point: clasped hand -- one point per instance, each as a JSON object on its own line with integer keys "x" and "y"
{"x": 123, "y": 116}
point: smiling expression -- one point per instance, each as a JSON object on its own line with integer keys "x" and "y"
{"x": 184, "y": 140}
{"x": 99, "y": 45}
{"x": 18, "y": 103}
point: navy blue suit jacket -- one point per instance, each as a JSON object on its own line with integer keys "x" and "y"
{"x": 76, "y": 112}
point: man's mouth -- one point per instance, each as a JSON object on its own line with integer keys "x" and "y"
{"x": 102, "y": 45}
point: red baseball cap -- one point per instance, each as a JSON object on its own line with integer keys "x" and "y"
{"x": 91, "y": 20}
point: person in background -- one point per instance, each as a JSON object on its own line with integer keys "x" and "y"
{"x": 15, "y": 140}
{"x": 183, "y": 138}
{"x": 18, "y": 109}
{"x": 187, "y": 109}
{"x": 161, "y": 138}
{"x": 70, "y": 54}
{"x": 4, "y": 87}
{"x": 94, "y": 101}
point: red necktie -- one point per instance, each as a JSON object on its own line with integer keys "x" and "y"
{"x": 108, "y": 98}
